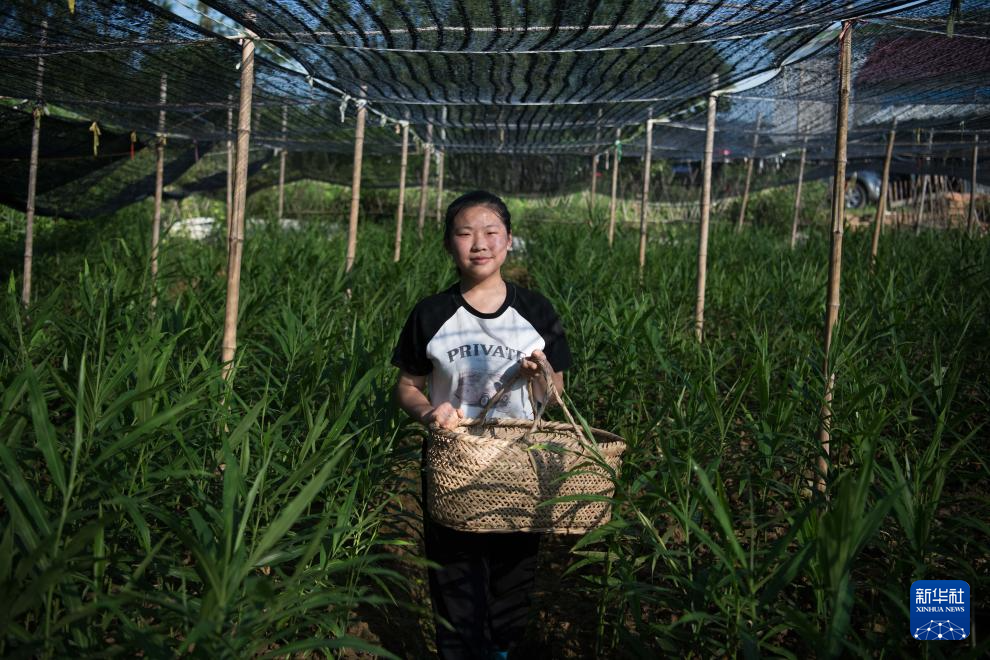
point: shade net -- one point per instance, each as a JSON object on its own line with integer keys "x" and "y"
{"x": 905, "y": 69}
{"x": 519, "y": 95}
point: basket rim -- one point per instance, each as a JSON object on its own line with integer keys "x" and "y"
{"x": 609, "y": 438}
{"x": 532, "y": 529}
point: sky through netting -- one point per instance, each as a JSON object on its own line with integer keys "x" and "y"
{"x": 522, "y": 84}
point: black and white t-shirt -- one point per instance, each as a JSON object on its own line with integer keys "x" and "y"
{"x": 469, "y": 354}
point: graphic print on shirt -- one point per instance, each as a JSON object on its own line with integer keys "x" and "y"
{"x": 468, "y": 354}
{"x": 471, "y": 353}
{"x": 476, "y": 388}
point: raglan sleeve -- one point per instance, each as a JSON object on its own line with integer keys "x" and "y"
{"x": 556, "y": 348}
{"x": 410, "y": 352}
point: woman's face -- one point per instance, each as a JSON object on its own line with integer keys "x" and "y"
{"x": 478, "y": 243}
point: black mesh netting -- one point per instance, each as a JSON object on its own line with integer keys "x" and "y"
{"x": 519, "y": 94}
{"x": 65, "y": 148}
{"x": 936, "y": 87}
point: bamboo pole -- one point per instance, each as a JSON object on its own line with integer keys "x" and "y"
{"x": 915, "y": 193}
{"x": 425, "y": 180}
{"x": 919, "y": 218}
{"x": 945, "y": 203}
{"x": 235, "y": 242}
{"x": 440, "y": 157}
{"x": 971, "y": 211}
{"x": 909, "y": 201}
{"x": 947, "y": 200}
{"x": 156, "y": 220}
{"x": 895, "y": 195}
{"x": 647, "y": 158}
{"x": 706, "y": 203}
{"x": 352, "y": 226}
{"x": 749, "y": 175}
{"x": 594, "y": 179}
{"x": 797, "y": 195}
{"x": 281, "y": 163}
{"x": 400, "y": 211}
{"x": 230, "y": 162}
{"x": 440, "y": 162}
{"x": 882, "y": 202}
{"x": 594, "y": 169}
{"x": 615, "y": 185}
{"x": 33, "y": 173}
{"x": 910, "y": 193}
{"x": 935, "y": 201}
{"x": 835, "y": 254}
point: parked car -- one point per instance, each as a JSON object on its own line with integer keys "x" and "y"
{"x": 862, "y": 188}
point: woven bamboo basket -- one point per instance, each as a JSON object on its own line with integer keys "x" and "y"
{"x": 521, "y": 475}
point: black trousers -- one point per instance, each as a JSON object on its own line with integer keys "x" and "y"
{"x": 482, "y": 588}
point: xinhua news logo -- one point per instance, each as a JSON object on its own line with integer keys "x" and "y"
{"x": 940, "y": 610}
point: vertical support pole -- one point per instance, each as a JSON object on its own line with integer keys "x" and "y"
{"x": 706, "y": 204}
{"x": 797, "y": 195}
{"x": 935, "y": 199}
{"x": 400, "y": 211}
{"x": 911, "y": 202}
{"x": 281, "y": 163}
{"x": 594, "y": 179}
{"x": 424, "y": 182}
{"x": 906, "y": 197}
{"x": 594, "y": 169}
{"x": 882, "y": 202}
{"x": 947, "y": 202}
{"x": 156, "y": 220}
{"x": 235, "y": 242}
{"x": 441, "y": 156}
{"x": 352, "y": 225}
{"x": 921, "y": 205}
{"x": 230, "y": 163}
{"x": 644, "y": 206}
{"x": 971, "y": 211}
{"x": 749, "y": 174}
{"x": 33, "y": 173}
{"x": 615, "y": 185}
{"x": 919, "y": 218}
{"x": 835, "y": 254}
{"x": 943, "y": 205}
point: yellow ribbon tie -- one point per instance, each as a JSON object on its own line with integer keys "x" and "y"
{"x": 72, "y": 6}
{"x": 95, "y": 130}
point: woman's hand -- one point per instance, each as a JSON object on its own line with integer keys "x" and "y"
{"x": 445, "y": 416}
{"x": 530, "y": 366}
{"x": 410, "y": 394}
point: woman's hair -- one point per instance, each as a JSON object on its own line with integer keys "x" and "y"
{"x": 475, "y": 198}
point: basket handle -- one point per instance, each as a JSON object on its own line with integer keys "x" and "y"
{"x": 507, "y": 385}
{"x": 551, "y": 390}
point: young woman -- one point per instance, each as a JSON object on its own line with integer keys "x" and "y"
{"x": 464, "y": 342}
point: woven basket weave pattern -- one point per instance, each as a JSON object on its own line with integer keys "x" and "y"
{"x": 484, "y": 477}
